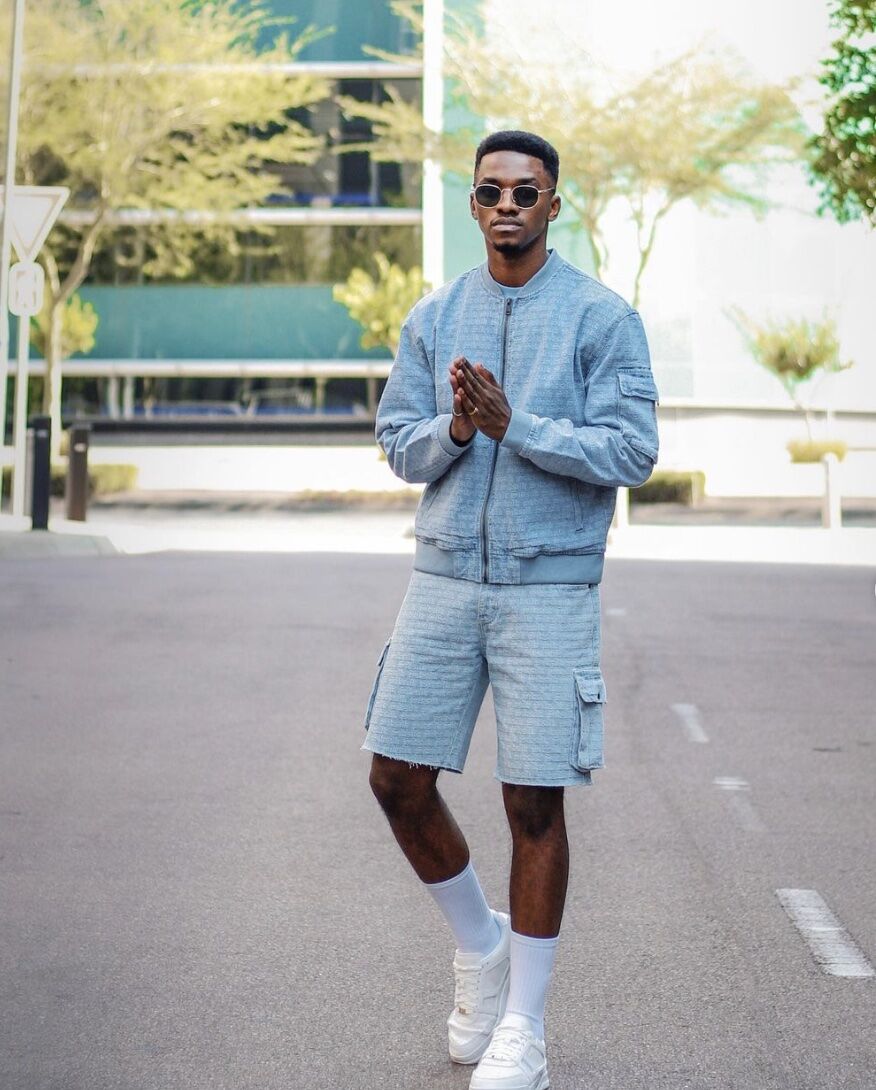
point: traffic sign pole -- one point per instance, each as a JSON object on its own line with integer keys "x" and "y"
{"x": 30, "y": 213}
{"x": 19, "y": 424}
{"x": 5, "y": 212}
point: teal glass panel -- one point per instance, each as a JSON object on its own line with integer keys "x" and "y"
{"x": 355, "y": 23}
{"x": 192, "y": 321}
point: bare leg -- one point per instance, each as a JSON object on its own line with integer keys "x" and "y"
{"x": 539, "y": 860}
{"x": 418, "y": 816}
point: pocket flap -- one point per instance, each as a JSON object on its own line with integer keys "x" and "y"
{"x": 591, "y": 686}
{"x": 639, "y": 384}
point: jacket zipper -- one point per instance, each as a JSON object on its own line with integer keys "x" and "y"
{"x": 495, "y": 454}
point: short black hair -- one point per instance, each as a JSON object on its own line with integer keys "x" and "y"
{"x": 527, "y": 143}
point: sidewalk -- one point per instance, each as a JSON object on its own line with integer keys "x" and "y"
{"x": 717, "y": 531}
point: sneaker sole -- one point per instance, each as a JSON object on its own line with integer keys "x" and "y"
{"x": 543, "y": 1084}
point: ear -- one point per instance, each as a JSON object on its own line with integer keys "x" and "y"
{"x": 556, "y": 204}
{"x": 472, "y": 207}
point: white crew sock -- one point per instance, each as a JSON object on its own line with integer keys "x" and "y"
{"x": 465, "y": 908}
{"x": 532, "y": 962}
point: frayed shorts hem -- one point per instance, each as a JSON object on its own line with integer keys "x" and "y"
{"x": 407, "y": 760}
{"x": 583, "y": 779}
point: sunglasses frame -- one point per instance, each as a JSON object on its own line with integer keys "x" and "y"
{"x": 509, "y": 188}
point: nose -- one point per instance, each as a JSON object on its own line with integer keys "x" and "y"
{"x": 506, "y": 201}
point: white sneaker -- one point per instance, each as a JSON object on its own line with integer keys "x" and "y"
{"x": 514, "y": 1060}
{"x": 481, "y": 990}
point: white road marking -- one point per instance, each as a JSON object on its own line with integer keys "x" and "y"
{"x": 741, "y": 804}
{"x": 731, "y": 783}
{"x": 832, "y": 946}
{"x": 690, "y": 717}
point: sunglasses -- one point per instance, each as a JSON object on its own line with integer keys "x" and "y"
{"x": 524, "y": 196}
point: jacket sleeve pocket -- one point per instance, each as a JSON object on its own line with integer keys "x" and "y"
{"x": 587, "y": 736}
{"x": 636, "y": 407}
{"x": 376, "y": 684}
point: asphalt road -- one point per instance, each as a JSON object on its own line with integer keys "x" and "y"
{"x": 198, "y": 890}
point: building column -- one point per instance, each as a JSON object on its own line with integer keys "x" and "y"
{"x": 433, "y": 118}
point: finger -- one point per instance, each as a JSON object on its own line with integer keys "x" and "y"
{"x": 471, "y": 378}
{"x": 470, "y": 391}
{"x": 485, "y": 374}
{"x": 468, "y": 405}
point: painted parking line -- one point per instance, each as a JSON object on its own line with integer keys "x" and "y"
{"x": 832, "y": 946}
{"x": 690, "y": 719}
{"x": 738, "y": 796}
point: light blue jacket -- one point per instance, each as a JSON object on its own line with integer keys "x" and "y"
{"x": 572, "y": 358}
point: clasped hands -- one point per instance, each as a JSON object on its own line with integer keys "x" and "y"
{"x": 479, "y": 402}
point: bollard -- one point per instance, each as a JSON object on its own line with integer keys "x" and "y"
{"x": 831, "y": 502}
{"x": 28, "y": 471}
{"x": 76, "y": 490}
{"x": 41, "y": 476}
{"x": 621, "y": 519}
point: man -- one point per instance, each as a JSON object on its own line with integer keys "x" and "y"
{"x": 522, "y": 452}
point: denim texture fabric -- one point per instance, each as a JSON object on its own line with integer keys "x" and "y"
{"x": 573, "y": 360}
{"x": 537, "y": 646}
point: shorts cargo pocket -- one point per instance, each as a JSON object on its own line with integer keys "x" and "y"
{"x": 587, "y": 735}
{"x": 374, "y": 687}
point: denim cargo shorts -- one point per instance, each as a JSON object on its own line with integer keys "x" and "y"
{"x": 536, "y": 644}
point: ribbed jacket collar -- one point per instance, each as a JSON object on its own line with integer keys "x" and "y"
{"x": 534, "y": 284}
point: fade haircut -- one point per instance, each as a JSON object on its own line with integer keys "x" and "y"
{"x": 527, "y": 143}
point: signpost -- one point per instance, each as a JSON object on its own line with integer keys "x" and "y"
{"x": 29, "y": 214}
{"x": 15, "y": 59}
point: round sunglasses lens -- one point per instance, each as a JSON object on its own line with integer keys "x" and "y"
{"x": 488, "y": 195}
{"x": 525, "y": 196}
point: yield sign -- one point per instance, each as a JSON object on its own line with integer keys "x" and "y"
{"x": 31, "y": 213}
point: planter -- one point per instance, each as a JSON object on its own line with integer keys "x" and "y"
{"x": 804, "y": 450}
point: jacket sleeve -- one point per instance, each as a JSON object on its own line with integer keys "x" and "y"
{"x": 618, "y": 444}
{"x": 414, "y": 436}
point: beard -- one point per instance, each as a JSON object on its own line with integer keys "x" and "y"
{"x": 512, "y": 247}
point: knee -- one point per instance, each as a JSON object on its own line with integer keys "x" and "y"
{"x": 534, "y": 812}
{"x": 398, "y": 787}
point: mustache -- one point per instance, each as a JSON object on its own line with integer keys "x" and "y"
{"x": 505, "y": 219}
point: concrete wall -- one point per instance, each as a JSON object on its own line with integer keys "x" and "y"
{"x": 741, "y": 451}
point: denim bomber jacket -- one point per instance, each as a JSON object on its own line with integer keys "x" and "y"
{"x": 572, "y": 358}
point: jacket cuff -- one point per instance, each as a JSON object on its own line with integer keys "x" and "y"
{"x": 517, "y": 431}
{"x": 448, "y": 444}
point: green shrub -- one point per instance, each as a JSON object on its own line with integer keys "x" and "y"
{"x": 104, "y": 479}
{"x": 671, "y": 486}
{"x": 805, "y": 450}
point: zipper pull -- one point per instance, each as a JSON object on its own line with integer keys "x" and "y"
{"x": 508, "y": 306}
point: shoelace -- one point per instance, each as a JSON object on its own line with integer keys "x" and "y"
{"x": 466, "y": 983}
{"x": 507, "y": 1044}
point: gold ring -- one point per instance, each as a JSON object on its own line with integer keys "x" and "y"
{"x": 474, "y": 410}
